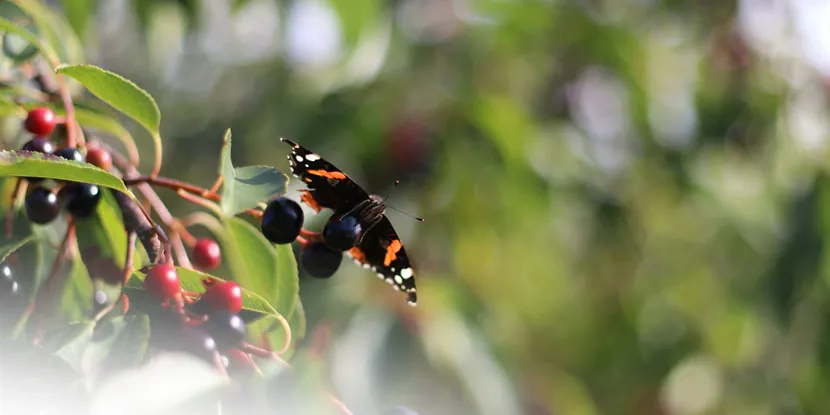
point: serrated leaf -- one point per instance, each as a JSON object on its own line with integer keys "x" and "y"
{"x": 254, "y": 306}
{"x": 24, "y": 164}
{"x": 119, "y": 92}
{"x": 245, "y": 187}
{"x": 10, "y": 247}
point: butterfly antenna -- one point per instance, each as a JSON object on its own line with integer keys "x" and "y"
{"x": 397, "y": 182}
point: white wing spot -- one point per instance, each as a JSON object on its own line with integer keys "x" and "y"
{"x": 406, "y": 273}
{"x": 306, "y": 165}
{"x": 299, "y": 158}
{"x": 398, "y": 279}
{"x": 312, "y": 157}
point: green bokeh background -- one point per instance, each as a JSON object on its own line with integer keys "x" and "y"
{"x": 626, "y": 201}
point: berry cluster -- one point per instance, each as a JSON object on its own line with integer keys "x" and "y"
{"x": 322, "y": 253}
{"x": 43, "y": 204}
{"x": 211, "y": 325}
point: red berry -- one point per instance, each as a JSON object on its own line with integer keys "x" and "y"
{"x": 99, "y": 157}
{"x": 41, "y": 121}
{"x": 206, "y": 254}
{"x": 225, "y": 295}
{"x": 162, "y": 282}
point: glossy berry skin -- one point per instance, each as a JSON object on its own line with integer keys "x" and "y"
{"x": 162, "y": 282}
{"x": 70, "y": 153}
{"x": 8, "y": 286}
{"x": 38, "y": 145}
{"x": 42, "y": 205}
{"x": 320, "y": 261}
{"x": 224, "y": 296}
{"x": 282, "y": 220}
{"x": 80, "y": 199}
{"x": 341, "y": 234}
{"x": 40, "y": 121}
{"x": 99, "y": 158}
{"x": 206, "y": 254}
{"x": 197, "y": 342}
{"x": 228, "y": 329}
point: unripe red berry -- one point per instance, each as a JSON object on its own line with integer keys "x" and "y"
{"x": 99, "y": 157}
{"x": 226, "y": 295}
{"x": 41, "y": 121}
{"x": 206, "y": 254}
{"x": 162, "y": 282}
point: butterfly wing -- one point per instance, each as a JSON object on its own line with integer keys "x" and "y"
{"x": 382, "y": 251}
{"x": 328, "y": 186}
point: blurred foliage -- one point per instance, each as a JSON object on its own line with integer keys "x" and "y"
{"x": 625, "y": 200}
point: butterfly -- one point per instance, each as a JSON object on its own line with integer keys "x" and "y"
{"x": 379, "y": 246}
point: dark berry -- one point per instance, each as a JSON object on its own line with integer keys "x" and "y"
{"x": 282, "y": 220}
{"x": 99, "y": 157}
{"x": 228, "y": 329}
{"x": 197, "y": 342}
{"x": 8, "y": 286}
{"x": 226, "y": 295}
{"x": 70, "y": 153}
{"x": 38, "y": 145}
{"x": 42, "y": 205}
{"x": 80, "y": 199}
{"x": 40, "y": 121}
{"x": 206, "y": 254}
{"x": 320, "y": 261}
{"x": 340, "y": 234}
{"x": 398, "y": 410}
{"x": 162, "y": 282}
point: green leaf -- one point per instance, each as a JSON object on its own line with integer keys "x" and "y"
{"x": 10, "y": 247}
{"x": 76, "y": 301}
{"x": 130, "y": 345}
{"x": 78, "y": 13}
{"x": 245, "y": 187}
{"x": 119, "y": 92}
{"x": 256, "y": 264}
{"x": 10, "y": 27}
{"x": 253, "y": 305}
{"x": 102, "y": 240}
{"x": 355, "y": 16}
{"x": 13, "y": 163}
{"x": 57, "y": 31}
{"x": 70, "y": 343}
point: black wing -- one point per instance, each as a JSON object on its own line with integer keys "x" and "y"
{"x": 328, "y": 187}
{"x": 382, "y": 251}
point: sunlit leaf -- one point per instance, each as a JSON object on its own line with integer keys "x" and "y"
{"x": 253, "y": 305}
{"x": 14, "y": 163}
{"x": 119, "y": 92}
{"x": 245, "y": 187}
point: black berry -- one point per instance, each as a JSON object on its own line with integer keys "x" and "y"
{"x": 70, "y": 153}
{"x": 80, "y": 199}
{"x": 341, "y": 233}
{"x": 320, "y": 261}
{"x": 8, "y": 286}
{"x": 197, "y": 342}
{"x": 228, "y": 329}
{"x": 282, "y": 221}
{"x": 38, "y": 145}
{"x": 42, "y": 205}
{"x": 40, "y": 121}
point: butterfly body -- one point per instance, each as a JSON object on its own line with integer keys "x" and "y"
{"x": 379, "y": 246}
